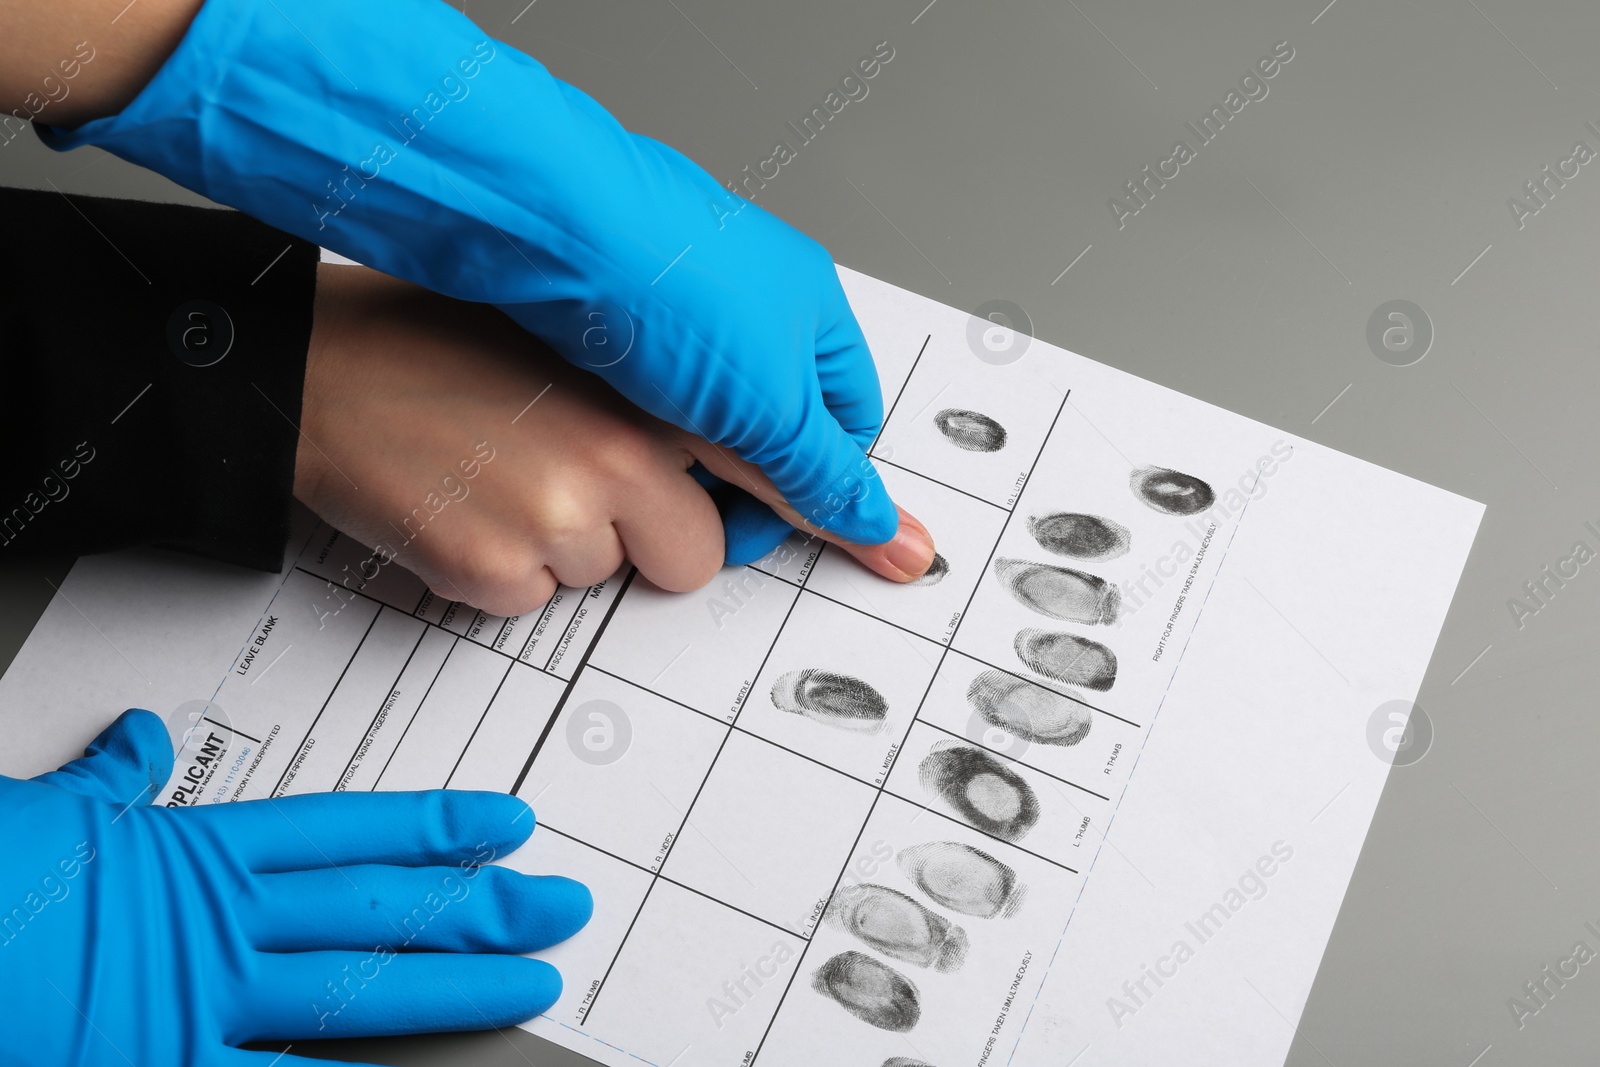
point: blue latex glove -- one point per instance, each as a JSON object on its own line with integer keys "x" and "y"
{"x": 147, "y": 935}
{"x": 403, "y": 136}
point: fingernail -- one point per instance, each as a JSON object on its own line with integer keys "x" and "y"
{"x": 911, "y": 551}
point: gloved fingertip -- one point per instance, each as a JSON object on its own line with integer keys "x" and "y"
{"x": 140, "y": 738}
{"x": 539, "y": 987}
{"x": 568, "y": 905}
{"x": 479, "y": 992}
{"x": 141, "y": 727}
{"x": 127, "y": 763}
{"x": 534, "y": 911}
{"x": 496, "y": 819}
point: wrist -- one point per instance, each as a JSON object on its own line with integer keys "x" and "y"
{"x": 330, "y": 314}
{"x": 55, "y": 71}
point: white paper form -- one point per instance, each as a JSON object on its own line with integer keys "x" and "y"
{"x": 1091, "y": 794}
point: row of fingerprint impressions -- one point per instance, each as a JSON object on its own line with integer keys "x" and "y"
{"x": 957, "y": 877}
{"x": 1009, "y": 703}
{"x": 986, "y": 792}
{"x": 1167, "y": 491}
{"x": 982, "y": 789}
{"x": 1065, "y": 593}
{"x": 1070, "y": 595}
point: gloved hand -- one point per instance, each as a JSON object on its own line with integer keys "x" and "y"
{"x": 148, "y": 935}
{"x": 406, "y": 138}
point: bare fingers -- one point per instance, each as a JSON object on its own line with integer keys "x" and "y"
{"x": 905, "y": 558}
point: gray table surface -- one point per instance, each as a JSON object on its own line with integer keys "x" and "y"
{"x": 1378, "y": 167}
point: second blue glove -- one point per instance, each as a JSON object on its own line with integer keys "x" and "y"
{"x": 154, "y": 936}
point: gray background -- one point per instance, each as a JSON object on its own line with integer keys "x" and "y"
{"x": 1378, "y": 168}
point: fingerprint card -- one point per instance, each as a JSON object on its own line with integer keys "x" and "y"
{"x": 984, "y": 804}
{"x": 620, "y": 746}
{"x": 701, "y": 649}
{"x": 1019, "y": 719}
{"x": 1001, "y": 798}
{"x": 1099, "y": 578}
{"x": 933, "y": 931}
{"x": 792, "y": 559}
{"x": 841, "y": 688}
{"x": 973, "y": 424}
{"x": 768, "y": 832}
{"x": 693, "y": 978}
{"x": 1049, "y": 804}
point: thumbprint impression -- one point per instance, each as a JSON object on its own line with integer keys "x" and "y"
{"x": 1028, "y": 711}
{"x": 1171, "y": 492}
{"x": 1059, "y": 592}
{"x": 983, "y": 791}
{"x": 972, "y": 431}
{"x": 1069, "y": 533}
{"x": 896, "y": 925}
{"x": 873, "y": 992}
{"x": 1067, "y": 658}
{"x": 962, "y": 878}
{"x": 836, "y": 700}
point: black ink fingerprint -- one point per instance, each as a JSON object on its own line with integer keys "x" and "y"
{"x": 873, "y": 992}
{"x": 1067, "y": 658}
{"x": 904, "y": 1061}
{"x": 894, "y": 924}
{"x": 1059, "y": 592}
{"x": 935, "y": 573}
{"x": 971, "y": 430}
{"x": 982, "y": 790}
{"x": 1068, "y": 533}
{"x": 1028, "y": 711}
{"x": 1171, "y": 492}
{"x": 835, "y": 699}
{"x": 962, "y": 878}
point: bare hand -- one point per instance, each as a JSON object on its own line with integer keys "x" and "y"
{"x": 495, "y": 467}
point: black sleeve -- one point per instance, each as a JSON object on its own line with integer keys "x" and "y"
{"x": 152, "y": 358}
